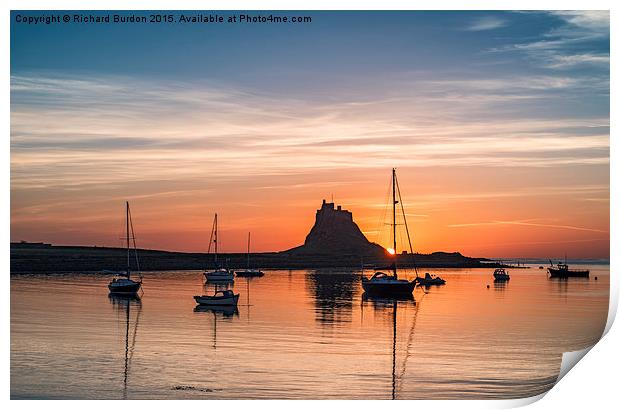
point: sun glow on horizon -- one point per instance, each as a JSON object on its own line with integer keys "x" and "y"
{"x": 391, "y": 251}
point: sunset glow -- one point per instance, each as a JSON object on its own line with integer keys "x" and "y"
{"x": 501, "y": 139}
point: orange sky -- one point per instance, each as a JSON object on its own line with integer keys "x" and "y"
{"x": 510, "y": 212}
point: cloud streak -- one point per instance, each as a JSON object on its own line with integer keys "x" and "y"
{"x": 563, "y": 46}
{"x": 91, "y": 131}
{"x": 525, "y": 223}
{"x": 486, "y": 23}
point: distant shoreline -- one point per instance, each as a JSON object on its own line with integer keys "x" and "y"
{"x": 47, "y": 258}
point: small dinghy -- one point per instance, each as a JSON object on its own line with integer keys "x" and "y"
{"x": 501, "y": 275}
{"x": 429, "y": 280}
{"x": 219, "y": 298}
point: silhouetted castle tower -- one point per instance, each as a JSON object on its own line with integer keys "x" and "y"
{"x": 334, "y": 232}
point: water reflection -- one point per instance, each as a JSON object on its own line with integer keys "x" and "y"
{"x": 442, "y": 345}
{"x": 226, "y": 312}
{"x": 123, "y": 303}
{"x": 248, "y": 281}
{"x": 333, "y": 295}
{"x": 500, "y": 285}
{"x": 390, "y": 305}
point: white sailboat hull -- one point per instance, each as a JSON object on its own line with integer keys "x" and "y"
{"x": 220, "y": 275}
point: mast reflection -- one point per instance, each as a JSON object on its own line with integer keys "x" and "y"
{"x": 123, "y": 304}
{"x": 387, "y": 303}
{"x": 227, "y": 312}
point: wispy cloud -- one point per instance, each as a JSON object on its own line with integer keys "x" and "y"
{"x": 594, "y": 21}
{"x": 112, "y": 128}
{"x": 486, "y": 23}
{"x": 571, "y": 60}
{"x": 524, "y": 223}
{"x": 563, "y": 46}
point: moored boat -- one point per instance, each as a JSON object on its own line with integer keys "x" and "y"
{"x": 218, "y": 274}
{"x": 249, "y": 273}
{"x": 501, "y": 275}
{"x": 562, "y": 271}
{"x": 219, "y": 298}
{"x": 381, "y": 283}
{"x": 429, "y": 280}
{"x": 122, "y": 284}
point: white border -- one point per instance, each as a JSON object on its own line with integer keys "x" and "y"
{"x": 594, "y": 382}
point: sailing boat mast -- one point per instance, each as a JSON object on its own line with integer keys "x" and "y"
{"x": 394, "y": 202}
{"x": 248, "y": 250}
{"x": 215, "y": 237}
{"x": 127, "y": 223}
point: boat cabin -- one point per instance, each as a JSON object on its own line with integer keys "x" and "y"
{"x": 381, "y": 276}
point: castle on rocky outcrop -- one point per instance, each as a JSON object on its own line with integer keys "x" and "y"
{"x": 334, "y": 232}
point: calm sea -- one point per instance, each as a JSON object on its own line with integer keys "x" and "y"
{"x": 300, "y": 334}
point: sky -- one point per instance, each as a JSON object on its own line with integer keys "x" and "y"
{"x": 497, "y": 124}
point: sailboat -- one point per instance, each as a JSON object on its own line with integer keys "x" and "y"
{"x": 249, "y": 272}
{"x": 219, "y": 274}
{"x": 122, "y": 284}
{"x": 382, "y": 283}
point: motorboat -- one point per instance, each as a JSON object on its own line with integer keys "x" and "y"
{"x": 429, "y": 280}
{"x": 219, "y": 298}
{"x": 562, "y": 271}
{"x": 501, "y": 275}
